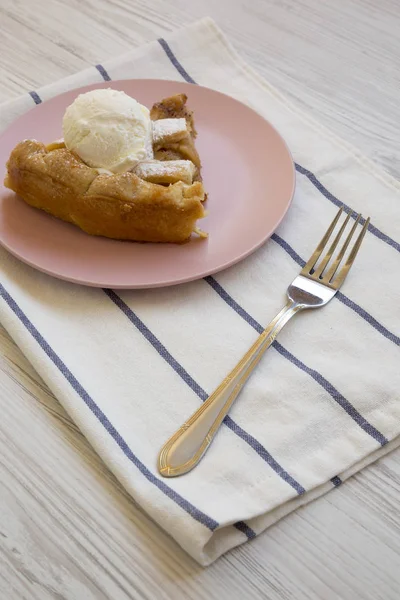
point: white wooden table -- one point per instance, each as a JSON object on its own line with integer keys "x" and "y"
{"x": 67, "y": 528}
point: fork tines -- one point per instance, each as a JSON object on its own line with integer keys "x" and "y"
{"x": 326, "y": 275}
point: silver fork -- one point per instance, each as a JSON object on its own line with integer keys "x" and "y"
{"x": 317, "y": 283}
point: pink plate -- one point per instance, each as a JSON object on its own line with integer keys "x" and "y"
{"x": 248, "y": 173}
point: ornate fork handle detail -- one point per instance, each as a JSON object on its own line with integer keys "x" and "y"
{"x": 186, "y": 447}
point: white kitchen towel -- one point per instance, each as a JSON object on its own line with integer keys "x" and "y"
{"x": 131, "y": 366}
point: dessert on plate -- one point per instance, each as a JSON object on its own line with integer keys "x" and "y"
{"x": 120, "y": 171}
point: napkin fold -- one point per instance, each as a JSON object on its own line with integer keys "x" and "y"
{"x": 131, "y": 366}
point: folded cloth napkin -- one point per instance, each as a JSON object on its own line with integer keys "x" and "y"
{"x": 131, "y": 366}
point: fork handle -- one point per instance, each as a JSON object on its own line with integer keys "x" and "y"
{"x": 186, "y": 447}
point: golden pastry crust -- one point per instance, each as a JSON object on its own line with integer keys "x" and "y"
{"x": 116, "y": 206}
{"x": 121, "y": 206}
{"x": 166, "y": 172}
{"x": 168, "y": 131}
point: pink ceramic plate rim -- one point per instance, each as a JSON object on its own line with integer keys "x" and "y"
{"x": 132, "y": 280}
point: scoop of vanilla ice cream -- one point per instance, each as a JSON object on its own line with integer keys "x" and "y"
{"x": 108, "y": 129}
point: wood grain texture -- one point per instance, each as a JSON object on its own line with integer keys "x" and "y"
{"x": 67, "y": 528}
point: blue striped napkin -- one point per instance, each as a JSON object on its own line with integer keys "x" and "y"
{"x": 324, "y": 401}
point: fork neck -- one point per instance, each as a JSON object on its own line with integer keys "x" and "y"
{"x": 288, "y": 311}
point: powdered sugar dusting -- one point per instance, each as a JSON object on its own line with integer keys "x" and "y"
{"x": 176, "y": 170}
{"x": 169, "y": 130}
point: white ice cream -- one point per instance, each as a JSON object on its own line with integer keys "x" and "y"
{"x": 108, "y": 129}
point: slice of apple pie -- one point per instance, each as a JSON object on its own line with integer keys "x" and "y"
{"x": 121, "y": 171}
